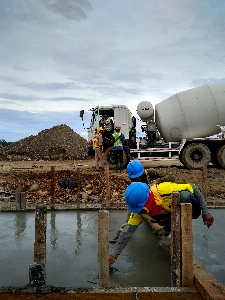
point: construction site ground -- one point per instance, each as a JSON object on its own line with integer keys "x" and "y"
{"x": 34, "y": 178}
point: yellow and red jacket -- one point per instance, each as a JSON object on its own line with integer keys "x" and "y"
{"x": 96, "y": 141}
{"x": 159, "y": 201}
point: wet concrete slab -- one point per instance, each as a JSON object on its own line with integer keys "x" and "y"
{"x": 209, "y": 244}
{"x": 72, "y": 245}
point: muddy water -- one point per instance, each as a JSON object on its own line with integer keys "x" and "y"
{"x": 72, "y": 245}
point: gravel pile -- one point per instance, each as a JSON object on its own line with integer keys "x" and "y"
{"x": 57, "y": 143}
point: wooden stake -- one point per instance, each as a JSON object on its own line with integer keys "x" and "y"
{"x": 204, "y": 182}
{"x": 175, "y": 256}
{"x": 78, "y": 188}
{"x": 38, "y": 269}
{"x": 53, "y": 187}
{"x": 103, "y": 248}
{"x": 18, "y": 197}
{"x": 187, "y": 267}
{"x": 107, "y": 185}
{"x": 23, "y": 201}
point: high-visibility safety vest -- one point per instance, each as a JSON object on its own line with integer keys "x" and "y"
{"x": 96, "y": 141}
{"x": 162, "y": 197}
{"x": 163, "y": 193}
{"x": 116, "y": 136}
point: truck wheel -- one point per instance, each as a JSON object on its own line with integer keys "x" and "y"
{"x": 220, "y": 156}
{"x": 109, "y": 157}
{"x": 196, "y": 156}
{"x": 181, "y": 158}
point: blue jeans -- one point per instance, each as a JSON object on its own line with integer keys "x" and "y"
{"x": 187, "y": 197}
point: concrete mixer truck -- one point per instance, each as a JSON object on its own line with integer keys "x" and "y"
{"x": 186, "y": 126}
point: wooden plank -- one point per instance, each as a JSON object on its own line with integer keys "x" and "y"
{"x": 175, "y": 255}
{"x": 103, "y": 247}
{"x": 204, "y": 182}
{"x": 52, "y": 187}
{"x": 107, "y": 185}
{"x": 187, "y": 267}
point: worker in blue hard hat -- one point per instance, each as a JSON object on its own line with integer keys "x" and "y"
{"x": 137, "y": 172}
{"x": 155, "y": 204}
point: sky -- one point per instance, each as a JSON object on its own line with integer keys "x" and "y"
{"x": 58, "y": 57}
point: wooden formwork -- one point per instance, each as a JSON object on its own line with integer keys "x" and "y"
{"x": 189, "y": 279}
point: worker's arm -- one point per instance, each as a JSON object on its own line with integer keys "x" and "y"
{"x": 124, "y": 237}
{"x": 122, "y": 241}
{"x": 207, "y": 217}
{"x": 152, "y": 175}
{"x": 167, "y": 178}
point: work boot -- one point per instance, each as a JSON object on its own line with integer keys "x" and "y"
{"x": 116, "y": 168}
{"x": 121, "y": 168}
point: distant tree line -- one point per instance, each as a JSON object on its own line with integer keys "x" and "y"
{"x": 3, "y": 143}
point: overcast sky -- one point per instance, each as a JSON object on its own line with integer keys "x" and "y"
{"x": 60, "y": 56}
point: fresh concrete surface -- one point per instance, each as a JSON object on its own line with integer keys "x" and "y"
{"x": 209, "y": 244}
{"x": 72, "y": 258}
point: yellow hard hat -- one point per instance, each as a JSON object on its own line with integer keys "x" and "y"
{"x": 100, "y": 129}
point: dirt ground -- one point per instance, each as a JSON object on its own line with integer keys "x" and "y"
{"x": 34, "y": 178}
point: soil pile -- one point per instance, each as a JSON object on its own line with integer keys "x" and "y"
{"x": 57, "y": 143}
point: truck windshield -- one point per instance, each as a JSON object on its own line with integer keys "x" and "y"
{"x": 96, "y": 118}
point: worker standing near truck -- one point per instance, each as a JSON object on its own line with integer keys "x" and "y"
{"x": 97, "y": 145}
{"x": 118, "y": 140}
{"x": 155, "y": 204}
{"x": 107, "y": 124}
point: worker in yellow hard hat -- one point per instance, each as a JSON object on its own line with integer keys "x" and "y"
{"x": 98, "y": 148}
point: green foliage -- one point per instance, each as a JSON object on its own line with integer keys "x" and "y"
{"x": 3, "y": 143}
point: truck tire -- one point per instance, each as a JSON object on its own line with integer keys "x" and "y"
{"x": 220, "y": 156}
{"x": 196, "y": 155}
{"x": 109, "y": 157}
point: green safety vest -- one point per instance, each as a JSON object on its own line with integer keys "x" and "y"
{"x": 118, "y": 142}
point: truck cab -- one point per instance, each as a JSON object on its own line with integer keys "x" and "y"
{"x": 119, "y": 114}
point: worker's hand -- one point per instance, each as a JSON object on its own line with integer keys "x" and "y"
{"x": 111, "y": 260}
{"x": 208, "y": 219}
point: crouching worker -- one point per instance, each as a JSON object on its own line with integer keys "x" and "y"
{"x": 155, "y": 204}
{"x": 137, "y": 173}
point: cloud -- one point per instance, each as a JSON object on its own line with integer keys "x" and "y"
{"x": 14, "y": 97}
{"x": 50, "y": 86}
{"x": 70, "y": 9}
{"x": 63, "y": 56}
{"x": 202, "y": 81}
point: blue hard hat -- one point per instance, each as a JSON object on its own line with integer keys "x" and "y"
{"x": 135, "y": 169}
{"x": 136, "y": 195}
